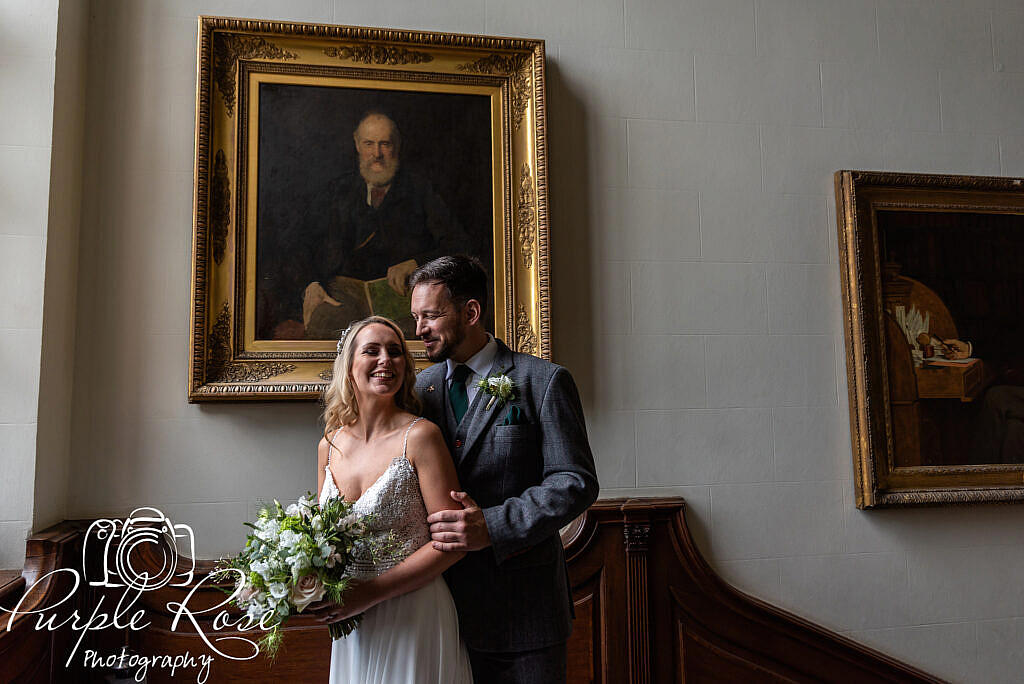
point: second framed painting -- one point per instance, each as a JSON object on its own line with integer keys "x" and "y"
{"x": 331, "y": 161}
{"x": 933, "y": 293}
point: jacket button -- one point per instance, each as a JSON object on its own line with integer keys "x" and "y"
{"x": 458, "y": 444}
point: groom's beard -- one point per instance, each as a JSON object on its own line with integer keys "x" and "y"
{"x": 445, "y": 350}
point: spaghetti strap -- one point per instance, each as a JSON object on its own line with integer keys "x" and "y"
{"x": 330, "y": 445}
{"x": 405, "y": 442}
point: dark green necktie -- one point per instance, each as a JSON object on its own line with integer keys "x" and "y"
{"x": 457, "y": 395}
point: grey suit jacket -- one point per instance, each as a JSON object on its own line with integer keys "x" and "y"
{"x": 530, "y": 478}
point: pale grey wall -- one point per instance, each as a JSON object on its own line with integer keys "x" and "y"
{"x": 695, "y": 287}
{"x": 28, "y": 35}
{"x": 57, "y": 358}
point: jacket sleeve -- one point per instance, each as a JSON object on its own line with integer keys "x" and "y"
{"x": 569, "y": 482}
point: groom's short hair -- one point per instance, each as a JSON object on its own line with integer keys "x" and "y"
{"x": 463, "y": 276}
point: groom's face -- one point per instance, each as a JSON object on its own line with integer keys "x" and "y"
{"x": 439, "y": 322}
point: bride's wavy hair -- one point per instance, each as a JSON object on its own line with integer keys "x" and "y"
{"x": 340, "y": 405}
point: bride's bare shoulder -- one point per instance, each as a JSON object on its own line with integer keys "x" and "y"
{"x": 323, "y": 449}
{"x": 425, "y": 441}
{"x": 424, "y": 430}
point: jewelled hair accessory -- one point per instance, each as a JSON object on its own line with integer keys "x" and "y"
{"x": 344, "y": 334}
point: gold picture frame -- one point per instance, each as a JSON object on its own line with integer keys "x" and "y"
{"x": 278, "y": 107}
{"x": 932, "y": 273}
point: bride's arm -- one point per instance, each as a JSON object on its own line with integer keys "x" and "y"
{"x": 321, "y": 463}
{"x": 436, "y": 472}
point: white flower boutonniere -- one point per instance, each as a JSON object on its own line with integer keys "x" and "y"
{"x": 500, "y": 387}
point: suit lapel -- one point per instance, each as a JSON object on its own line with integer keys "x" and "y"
{"x": 480, "y": 417}
{"x": 436, "y": 402}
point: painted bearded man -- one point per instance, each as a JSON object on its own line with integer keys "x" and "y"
{"x": 387, "y": 220}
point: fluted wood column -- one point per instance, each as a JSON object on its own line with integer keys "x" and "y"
{"x": 637, "y": 534}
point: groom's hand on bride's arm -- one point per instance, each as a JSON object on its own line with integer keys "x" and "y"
{"x": 459, "y": 530}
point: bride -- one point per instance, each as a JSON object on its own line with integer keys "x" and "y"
{"x": 395, "y": 466}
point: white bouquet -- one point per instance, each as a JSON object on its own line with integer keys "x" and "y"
{"x": 296, "y": 556}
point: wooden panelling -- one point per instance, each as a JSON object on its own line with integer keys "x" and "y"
{"x": 698, "y": 628}
{"x": 648, "y": 609}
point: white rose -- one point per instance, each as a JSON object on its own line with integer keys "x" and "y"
{"x": 308, "y": 589}
{"x": 278, "y": 589}
{"x": 246, "y": 593}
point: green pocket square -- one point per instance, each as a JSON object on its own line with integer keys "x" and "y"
{"x": 514, "y": 416}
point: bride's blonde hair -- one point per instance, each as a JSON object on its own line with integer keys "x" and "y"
{"x": 340, "y": 405}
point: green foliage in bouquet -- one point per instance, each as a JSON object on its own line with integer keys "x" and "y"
{"x": 296, "y": 556}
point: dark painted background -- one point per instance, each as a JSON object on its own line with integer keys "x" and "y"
{"x": 305, "y": 143}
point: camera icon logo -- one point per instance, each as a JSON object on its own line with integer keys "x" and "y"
{"x": 143, "y": 551}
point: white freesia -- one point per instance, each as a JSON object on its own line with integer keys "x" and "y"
{"x": 500, "y": 387}
{"x": 307, "y": 589}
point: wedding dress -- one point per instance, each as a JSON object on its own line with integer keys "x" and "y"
{"x": 413, "y": 638}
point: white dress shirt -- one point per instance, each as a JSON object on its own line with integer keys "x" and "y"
{"x": 479, "y": 365}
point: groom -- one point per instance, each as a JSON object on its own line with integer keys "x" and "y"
{"x": 527, "y": 469}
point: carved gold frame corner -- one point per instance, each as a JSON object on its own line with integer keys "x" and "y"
{"x": 859, "y": 195}
{"x": 224, "y": 363}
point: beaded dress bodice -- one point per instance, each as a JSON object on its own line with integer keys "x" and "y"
{"x": 395, "y": 505}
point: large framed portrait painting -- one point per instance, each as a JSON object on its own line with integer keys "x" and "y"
{"x": 331, "y": 161}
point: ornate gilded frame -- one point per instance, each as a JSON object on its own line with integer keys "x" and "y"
{"x": 225, "y": 362}
{"x": 859, "y": 196}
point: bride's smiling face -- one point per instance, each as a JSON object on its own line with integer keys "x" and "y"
{"x": 378, "y": 365}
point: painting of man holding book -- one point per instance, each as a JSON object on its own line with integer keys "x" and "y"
{"x": 382, "y": 213}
